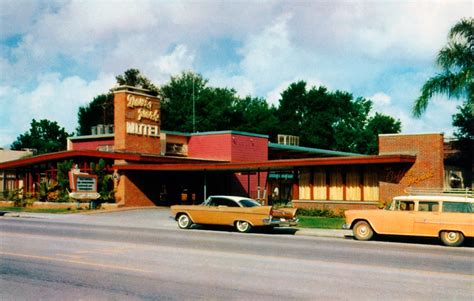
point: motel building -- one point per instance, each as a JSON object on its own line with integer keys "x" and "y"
{"x": 153, "y": 167}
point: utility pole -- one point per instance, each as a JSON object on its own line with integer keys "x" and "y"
{"x": 194, "y": 110}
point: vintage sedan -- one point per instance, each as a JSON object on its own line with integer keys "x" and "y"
{"x": 451, "y": 218}
{"x": 241, "y": 212}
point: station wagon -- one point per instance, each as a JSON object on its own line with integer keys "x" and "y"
{"x": 448, "y": 217}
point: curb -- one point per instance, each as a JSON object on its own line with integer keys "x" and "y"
{"x": 333, "y": 233}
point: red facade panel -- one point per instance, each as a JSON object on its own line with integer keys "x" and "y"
{"x": 229, "y": 147}
{"x": 91, "y": 145}
{"x": 216, "y": 147}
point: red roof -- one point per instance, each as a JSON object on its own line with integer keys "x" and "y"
{"x": 135, "y": 157}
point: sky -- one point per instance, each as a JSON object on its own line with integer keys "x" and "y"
{"x": 56, "y": 56}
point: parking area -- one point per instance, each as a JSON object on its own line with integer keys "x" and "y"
{"x": 159, "y": 218}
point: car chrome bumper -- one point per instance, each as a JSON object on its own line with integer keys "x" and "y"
{"x": 346, "y": 226}
{"x": 280, "y": 222}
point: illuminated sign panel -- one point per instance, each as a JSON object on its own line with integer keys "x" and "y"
{"x": 143, "y": 109}
{"x": 86, "y": 183}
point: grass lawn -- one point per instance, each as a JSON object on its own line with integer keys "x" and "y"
{"x": 38, "y": 210}
{"x": 320, "y": 222}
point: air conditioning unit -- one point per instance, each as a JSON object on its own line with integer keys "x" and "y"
{"x": 288, "y": 140}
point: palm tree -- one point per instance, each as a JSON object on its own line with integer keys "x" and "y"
{"x": 456, "y": 60}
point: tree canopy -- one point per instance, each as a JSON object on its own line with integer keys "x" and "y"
{"x": 331, "y": 120}
{"x": 134, "y": 78}
{"x": 99, "y": 111}
{"x": 456, "y": 60}
{"x": 45, "y": 136}
{"x": 322, "y": 119}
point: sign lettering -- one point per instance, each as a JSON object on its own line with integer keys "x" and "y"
{"x": 143, "y": 129}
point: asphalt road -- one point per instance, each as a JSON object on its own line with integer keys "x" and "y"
{"x": 60, "y": 260}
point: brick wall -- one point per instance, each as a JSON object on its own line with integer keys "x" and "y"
{"x": 131, "y": 142}
{"x": 228, "y": 146}
{"x": 426, "y": 172}
{"x": 132, "y": 190}
{"x": 216, "y": 146}
{"x": 233, "y": 147}
{"x": 90, "y": 145}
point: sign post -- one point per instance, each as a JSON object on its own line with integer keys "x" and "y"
{"x": 83, "y": 186}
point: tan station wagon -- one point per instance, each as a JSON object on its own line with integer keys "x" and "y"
{"x": 240, "y": 212}
{"x": 450, "y": 218}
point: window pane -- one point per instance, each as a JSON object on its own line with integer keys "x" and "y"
{"x": 428, "y": 206}
{"x": 353, "y": 192}
{"x": 405, "y": 205}
{"x": 458, "y": 207}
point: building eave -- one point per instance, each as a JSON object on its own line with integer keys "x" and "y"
{"x": 287, "y": 164}
{"x": 132, "y": 157}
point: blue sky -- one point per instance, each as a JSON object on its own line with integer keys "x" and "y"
{"x": 58, "y": 55}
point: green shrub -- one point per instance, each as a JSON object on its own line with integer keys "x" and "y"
{"x": 318, "y": 212}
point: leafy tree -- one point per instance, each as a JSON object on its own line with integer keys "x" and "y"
{"x": 99, "y": 111}
{"x": 104, "y": 181}
{"x": 63, "y": 178}
{"x": 331, "y": 120}
{"x": 45, "y": 136}
{"x": 456, "y": 60}
{"x": 215, "y": 109}
{"x": 177, "y": 101}
{"x": 376, "y": 125}
{"x": 464, "y": 121}
{"x": 133, "y": 77}
{"x": 254, "y": 115}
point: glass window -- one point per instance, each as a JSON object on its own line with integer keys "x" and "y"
{"x": 248, "y": 203}
{"x": 405, "y": 205}
{"x": 223, "y": 202}
{"x": 458, "y": 207}
{"x": 428, "y": 206}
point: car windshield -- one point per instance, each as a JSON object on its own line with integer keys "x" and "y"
{"x": 248, "y": 203}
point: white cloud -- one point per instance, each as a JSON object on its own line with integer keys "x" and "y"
{"x": 54, "y": 98}
{"x": 242, "y": 85}
{"x": 380, "y": 101}
{"x": 174, "y": 63}
{"x": 354, "y": 46}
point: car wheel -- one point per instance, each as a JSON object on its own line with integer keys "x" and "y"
{"x": 451, "y": 238}
{"x": 363, "y": 231}
{"x": 242, "y": 226}
{"x": 184, "y": 222}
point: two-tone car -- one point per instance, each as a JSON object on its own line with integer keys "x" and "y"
{"x": 451, "y": 218}
{"x": 240, "y": 212}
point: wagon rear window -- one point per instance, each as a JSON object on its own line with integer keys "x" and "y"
{"x": 458, "y": 207}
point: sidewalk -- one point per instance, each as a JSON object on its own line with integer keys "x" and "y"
{"x": 148, "y": 218}
{"x": 335, "y": 233}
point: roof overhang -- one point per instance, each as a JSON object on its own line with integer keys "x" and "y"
{"x": 132, "y": 157}
{"x": 287, "y": 164}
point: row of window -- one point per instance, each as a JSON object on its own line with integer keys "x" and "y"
{"x": 351, "y": 184}
{"x": 431, "y": 206}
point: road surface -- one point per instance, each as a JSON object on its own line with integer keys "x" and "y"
{"x": 50, "y": 260}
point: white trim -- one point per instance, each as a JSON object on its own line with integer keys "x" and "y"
{"x": 336, "y": 202}
{"x": 138, "y": 93}
{"x": 415, "y": 134}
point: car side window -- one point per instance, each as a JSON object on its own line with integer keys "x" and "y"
{"x": 222, "y": 202}
{"x": 405, "y": 206}
{"x": 212, "y": 202}
{"x": 229, "y": 203}
{"x": 428, "y": 206}
{"x": 460, "y": 207}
